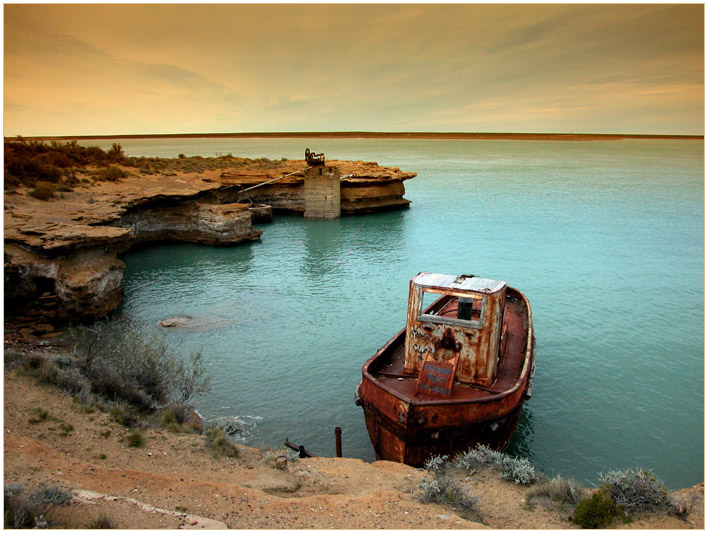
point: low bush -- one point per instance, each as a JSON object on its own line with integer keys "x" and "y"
{"x": 43, "y": 191}
{"x": 69, "y": 379}
{"x": 219, "y": 443}
{"x": 124, "y": 414}
{"x": 446, "y": 491}
{"x": 112, "y": 173}
{"x": 638, "y": 491}
{"x": 30, "y": 511}
{"x": 135, "y": 439}
{"x": 518, "y": 470}
{"x": 102, "y": 521}
{"x": 179, "y": 418}
{"x": 124, "y": 362}
{"x": 437, "y": 463}
{"x": 597, "y": 512}
{"x": 115, "y": 153}
{"x": 558, "y": 490}
{"x": 275, "y": 459}
{"x": 38, "y": 415}
{"x": 122, "y": 370}
{"x": 29, "y": 162}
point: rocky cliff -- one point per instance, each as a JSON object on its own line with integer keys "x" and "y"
{"x": 61, "y": 256}
{"x": 366, "y": 187}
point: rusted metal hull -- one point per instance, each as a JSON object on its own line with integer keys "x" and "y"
{"x": 409, "y": 429}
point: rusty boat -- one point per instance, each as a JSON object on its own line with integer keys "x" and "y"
{"x": 455, "y": 376}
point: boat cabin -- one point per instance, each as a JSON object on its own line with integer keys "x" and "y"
{"x": 453, "y": 332}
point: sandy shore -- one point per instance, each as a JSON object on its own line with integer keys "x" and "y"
{"x": 174, "y": 481}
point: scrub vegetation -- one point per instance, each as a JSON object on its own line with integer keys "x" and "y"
{"x": 219, "y": 443}
{"x": 558, "y": 490}
{"x": 623, "y": 495}
{"x": 518, "y": 470}
{"x": 627, "y": 494}
{"x": 48, "y": 168}
{"x": 33, "y": 510}
{"x": 135, "y": 376}
{"x": 447, "y": 491}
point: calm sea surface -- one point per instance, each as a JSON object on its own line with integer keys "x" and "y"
{"x": 605, "y": 238}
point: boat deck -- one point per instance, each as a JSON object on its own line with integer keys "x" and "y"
{"x": 390, "y": 372}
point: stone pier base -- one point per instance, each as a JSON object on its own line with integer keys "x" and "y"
{"x": 323, "y": 197}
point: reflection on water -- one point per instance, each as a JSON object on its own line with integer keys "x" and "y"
{"x": 521, "y": 443}
{"x": 335, "y": 247}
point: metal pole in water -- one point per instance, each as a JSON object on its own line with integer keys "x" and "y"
{"x": 338, "y": 440}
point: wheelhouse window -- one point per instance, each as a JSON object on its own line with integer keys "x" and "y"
{"x": 465, "y": 311}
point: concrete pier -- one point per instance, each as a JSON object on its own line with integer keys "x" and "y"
{"x": 322, "y": 192}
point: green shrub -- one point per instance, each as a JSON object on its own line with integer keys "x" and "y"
{"x": 219, "y": 443}
{"x": 43, "y": 191}
{"x": 29, "y": 162}
{"x": 116, "y": 152}
{"x": 597, "y": 512}
{"x": 57, "y": 159}
{"x": 638, "y": 491}
{"x": 65, "y": 428}
{"x": 48, "y": 173}
{"x": 178, "y": 418}
{"x": 38, "y": 415}
{"x": 135, "y": 439}
{"x": 124, "y": 414}
{"x": 112, "y": 173}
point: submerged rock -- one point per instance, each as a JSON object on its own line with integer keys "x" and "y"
{"x": 176, "y": 322}
{"x": 202, "y": 322}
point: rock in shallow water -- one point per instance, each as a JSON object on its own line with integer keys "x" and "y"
{"x": 177, "y": 322}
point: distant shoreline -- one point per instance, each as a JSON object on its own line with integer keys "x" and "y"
{"x": 372, "y": 135}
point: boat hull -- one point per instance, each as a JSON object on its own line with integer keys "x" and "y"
{"x": 406, "y": 428}
{"x": 415, "y": 445}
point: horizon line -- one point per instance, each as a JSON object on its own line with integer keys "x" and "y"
{"x": 369, "y": 134}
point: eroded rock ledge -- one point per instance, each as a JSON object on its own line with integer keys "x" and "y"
{"x": 62, "y": 256}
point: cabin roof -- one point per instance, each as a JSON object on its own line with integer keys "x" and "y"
{"x": 463, "y": 282}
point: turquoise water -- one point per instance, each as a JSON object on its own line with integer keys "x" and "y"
{"x": 605, "y": 238}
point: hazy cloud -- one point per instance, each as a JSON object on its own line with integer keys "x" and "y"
{"x": 180, "y": 77}
{"x": 506, "y": 67}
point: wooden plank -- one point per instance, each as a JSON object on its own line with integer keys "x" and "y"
{"x": 436, "y": 377}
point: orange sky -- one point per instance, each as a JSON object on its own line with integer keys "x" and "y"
{"x": 87, "y": 69}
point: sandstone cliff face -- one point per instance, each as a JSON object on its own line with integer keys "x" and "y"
{"x": 66, "y": 287}
{"x": 61, "y": 256}
{"x": 365, "y": 195}
{"x": 192, "y": 222}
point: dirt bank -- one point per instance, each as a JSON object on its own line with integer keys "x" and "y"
{"x": 174, "y": 481}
